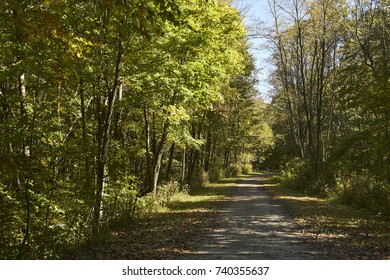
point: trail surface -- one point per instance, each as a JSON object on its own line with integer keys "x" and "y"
{"x": 254, "y": 226}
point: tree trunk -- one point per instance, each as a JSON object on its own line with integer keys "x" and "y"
{"x": 183, "y": 167}
{"x": 153, "y": 158}
{"x": 169, "y": 167}
{"x": 147, "y": 152}
{"x": 22, "y": 180}
{"x": 103, "y": 151}
{"x": 208, "y": 152}
{"x": 157, "y": 156}
{"x": 87, "y": 165}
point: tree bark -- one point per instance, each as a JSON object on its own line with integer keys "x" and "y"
{"x": 87, "y": 165}
{"x": 156, "y": 164}
{"x": 170, "y": 161}
{"x": 208, "y": 152}
{"x": 103, "y": 151}
{"x": 183, "y": 167}
{"x": 22, "y": 180}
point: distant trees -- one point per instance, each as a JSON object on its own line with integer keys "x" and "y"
{"x": 331, "y": 87}
{"x": 104, "y": 102}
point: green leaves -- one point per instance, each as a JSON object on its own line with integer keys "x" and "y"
{"x": 126, "y": 77}
{"x": 332, "y": 81}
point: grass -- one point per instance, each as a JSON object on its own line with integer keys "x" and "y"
{"x": 339, "y": 231}
{"x": 342, "y": 232}
{"x": 168, "y": 233}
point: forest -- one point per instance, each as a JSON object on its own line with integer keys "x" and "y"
{"x": 331, "y": 99}
{"x": 109, "y": 107}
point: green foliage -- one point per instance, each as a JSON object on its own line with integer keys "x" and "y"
{"x": 246, "y": 168}
{"x": 147, "y": 205}
{"x": 233, "y": 171}
{"x": 119, "y": 200}
{"x": 198, "y": 179}
{"x": 364, "y": 192}
{"x": 92, "y": 94}
{"x": 330, "y": 107}
{"x": 151, "y": 204}
{"x": 167, "y": 191}
{"x": 10, "y": 218}
{"x": 215, "y": 173}
{"x": 296, "y": 174}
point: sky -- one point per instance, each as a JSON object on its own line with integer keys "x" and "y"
{"x": 255, "y": 11}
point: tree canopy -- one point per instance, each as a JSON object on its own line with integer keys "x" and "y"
{"x": 331, "y": 96}
{"x": 108, "y": 105}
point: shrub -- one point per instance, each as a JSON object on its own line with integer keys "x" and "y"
{"x": 119, "y": 200}
{"x": 215, "y": 174}
{"x": 233, "y": 171}
{"x": 246, "y": 168}
{"x": 198, "y": 179}
{"x": 296, "y": 174}
{"x": 363, "y": 191}
{"x": 9, "y": 221}
{"x": 146, "y": 205}
{"x": 166, "y": 191}
{"x": 153, "y": 203}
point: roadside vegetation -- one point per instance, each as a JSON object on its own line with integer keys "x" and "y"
{"x": 117, "y": 116}
{"x": 330, "y": 100}
{"x": 179, "y": 224}
{"x": 337, "y": 230}
{"x": 107, "y": 108}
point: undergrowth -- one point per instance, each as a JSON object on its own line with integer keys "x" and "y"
{"x": 341, "y": 231}
{"x": 360, "y": 190}
{"x": 167, "y": 232}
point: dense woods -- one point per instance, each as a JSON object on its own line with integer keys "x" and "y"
{"x": 108, "y": 107}
{"x": 331, "y": 99}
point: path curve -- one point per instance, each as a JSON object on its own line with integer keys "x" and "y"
{"x": 254, "y": 226}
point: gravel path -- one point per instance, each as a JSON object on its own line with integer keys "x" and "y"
{"x": 254, "y": 226}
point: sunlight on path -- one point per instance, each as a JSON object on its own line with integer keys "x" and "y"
{"x": 254, "y": 226}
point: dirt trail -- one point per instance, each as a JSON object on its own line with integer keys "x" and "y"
{"x": 254, "y": 226}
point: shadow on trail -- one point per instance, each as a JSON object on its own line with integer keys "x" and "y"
{"x": 248, "y": 224}
{"x": 254, "y": 226}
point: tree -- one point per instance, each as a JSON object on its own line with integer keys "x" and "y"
{"x": 92, "y": 95}
{"x": 306, "y": 55}
{"x": 331, "y": 84}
